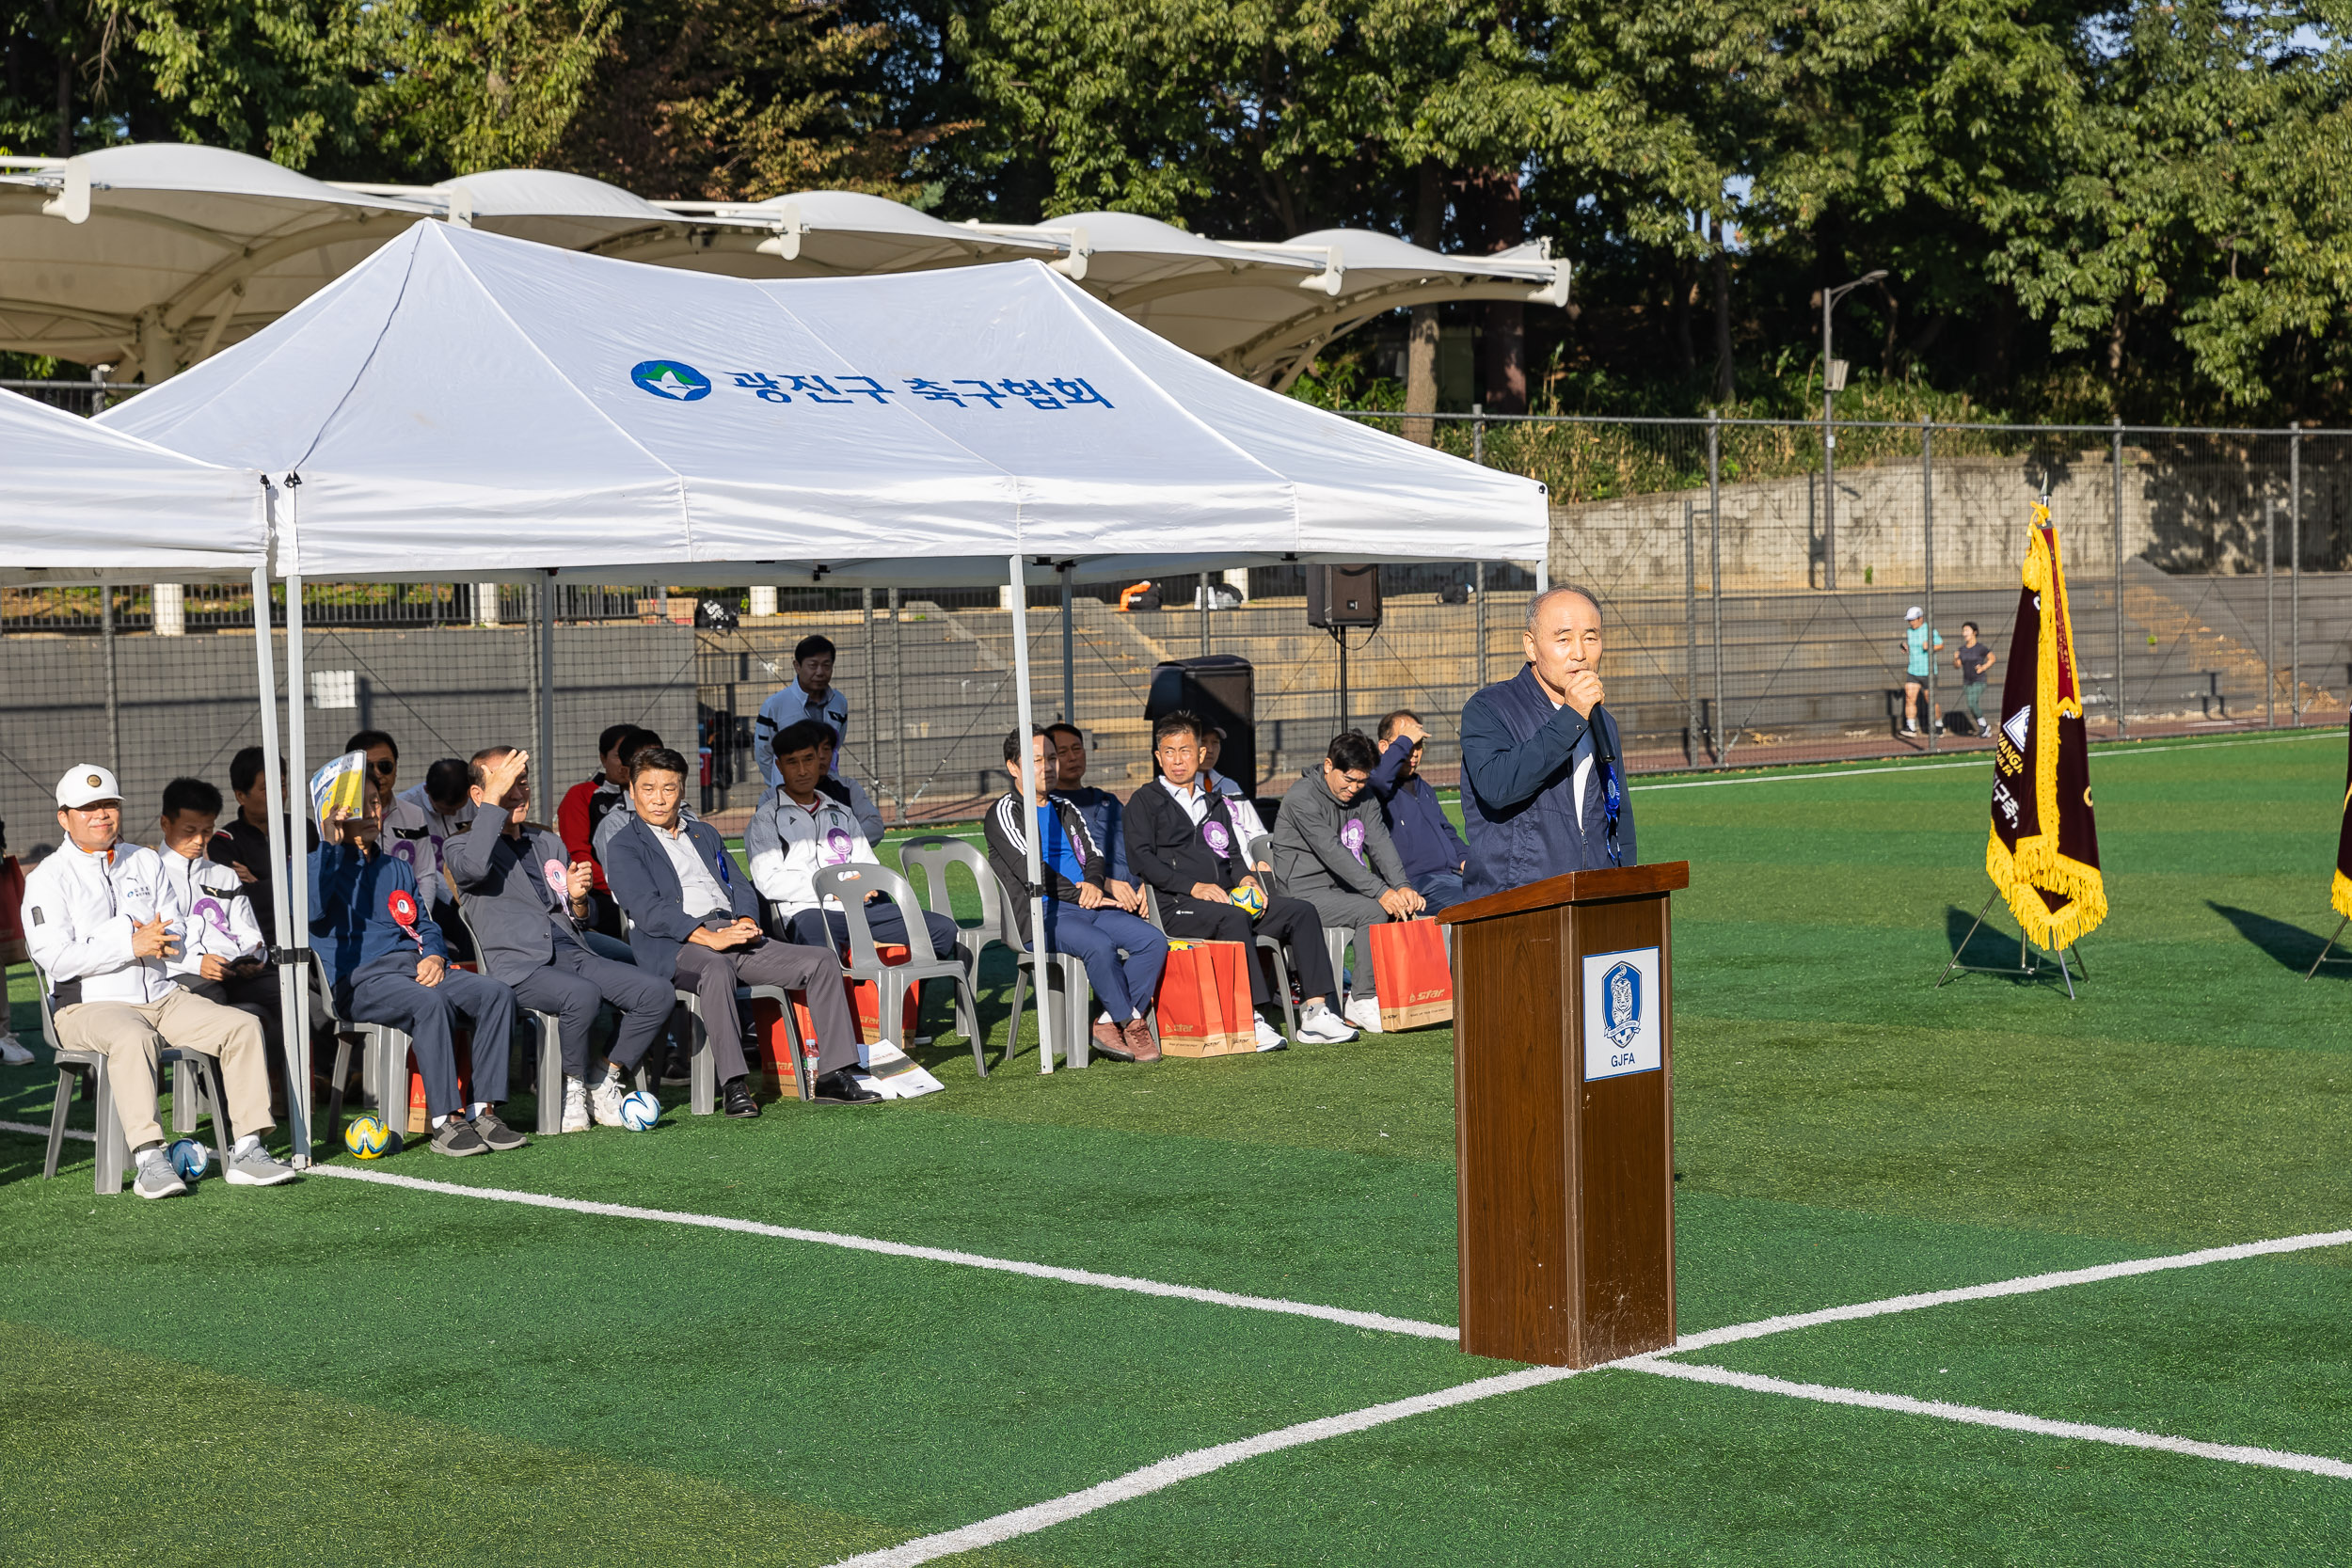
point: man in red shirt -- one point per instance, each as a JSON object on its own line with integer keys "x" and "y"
{"x": 584, "y": 805}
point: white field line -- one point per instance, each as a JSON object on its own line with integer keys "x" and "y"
{"x": 1184, "y": 1466}
{"x": 2006, "y": 1419}
{"x": 2108, "y": 749}
{"x": 2028, "y": 1285}
{"x": 1379, "y": 1322}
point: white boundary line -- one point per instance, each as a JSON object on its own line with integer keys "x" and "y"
{"x": 2110, "y": 749}
{"x": 1184, "y": 1466}
{"x": 2007, "y": 1420}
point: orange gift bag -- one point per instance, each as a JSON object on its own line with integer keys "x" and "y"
{"x": 1204, "y": 1000}
{"x": 1416, "y": 983}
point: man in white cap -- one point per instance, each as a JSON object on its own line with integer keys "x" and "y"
{"x": 1920, "y": 646}
{"x": 102, "y": 920}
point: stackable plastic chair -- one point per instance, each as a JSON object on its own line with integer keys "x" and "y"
{"x": 850, "y": 884}
{"x": 547, "y": 1026}
{"x": 1334, "y": 942}
{"x": 193, "y": 1074}
{"x": 383, "y": 1062}
{"x": 932, "y": 855}
{"x": 1264, "y": 945}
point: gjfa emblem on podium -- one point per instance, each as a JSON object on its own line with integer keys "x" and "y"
{"x": 1620, "y": 1013}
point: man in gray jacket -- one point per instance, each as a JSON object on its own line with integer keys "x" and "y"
{"x": 1332, "y": 847}
{"x": 527, "y": 901}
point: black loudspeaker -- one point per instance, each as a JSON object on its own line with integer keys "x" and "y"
{"x": 1454, "y": 592}
{"x": 1221, "y": 689}
{"x": 1342, "y": 596}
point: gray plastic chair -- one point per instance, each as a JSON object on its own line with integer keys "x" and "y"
{"x": 193, "y": 1075}
{"x": 932, "y": 855}
{"x": 850, "y": 884}
{"x": 549, "y": 1029}
{"x": 383, "y": 1062}
{"x": 1264, "y": 945}
{"x": 1334, "y": 942}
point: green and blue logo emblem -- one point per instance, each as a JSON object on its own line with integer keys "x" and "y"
{"x": 668, "y": 378}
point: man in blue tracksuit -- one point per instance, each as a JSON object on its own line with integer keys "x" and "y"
{"x": 1542, "y": 773}
{"x": 1433, "y": 854}
{"x": 387, "y": 963}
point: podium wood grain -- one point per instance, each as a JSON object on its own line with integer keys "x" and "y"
{"x": 1565, "y": 1188}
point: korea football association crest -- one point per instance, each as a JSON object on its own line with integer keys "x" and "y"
{"x": 1623, "y": 1030}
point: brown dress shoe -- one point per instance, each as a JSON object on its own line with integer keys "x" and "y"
{"x": 1109, "y": 1040}
{"x": 1139, "y": 1041}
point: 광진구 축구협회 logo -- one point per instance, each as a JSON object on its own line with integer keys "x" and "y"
{"x": 668, "y": 378}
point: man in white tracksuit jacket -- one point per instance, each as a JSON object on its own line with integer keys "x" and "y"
{"x": 102, "y": 922}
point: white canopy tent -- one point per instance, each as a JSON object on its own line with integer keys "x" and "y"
{"x": 466, "y": 398}
{"x": 83, "y": 504}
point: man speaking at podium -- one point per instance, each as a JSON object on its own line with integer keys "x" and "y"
{"x": 1543, "y": 789}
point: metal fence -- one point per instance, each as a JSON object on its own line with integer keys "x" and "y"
{"x": 1754, "y": 613}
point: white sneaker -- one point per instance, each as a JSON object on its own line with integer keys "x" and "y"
{"x": 1320, "y": 1025}
{"x": 1364, "y": 1013}
{"x": 12, "y": 1051}
{"x": 1984, "y": 727}
{"x": 604, "y": 1100}
{"x": 156, "y": 1179}
{"x": 1270, "y": 1038}
{"x": 575, "y": 1105}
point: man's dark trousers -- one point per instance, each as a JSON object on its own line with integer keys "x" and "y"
{"x": 574, "y": 982}
{"x": 712, "y": 975}
{"x": 428, "y": 1015}
{"x": 1442, "y": 888}
{"x": 1291, "y": 921}
{"x": 1094, "y": 937}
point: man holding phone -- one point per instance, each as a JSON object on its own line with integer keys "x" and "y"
{"x": 527, "y": 903}
{"x": 694, "y": 923}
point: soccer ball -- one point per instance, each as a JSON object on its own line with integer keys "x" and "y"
{"x": 367, "y": 1137}
{"x": 1249, "y": 900}
{"x": 640, "y": 1111}
{"x": 190, "y": 1159}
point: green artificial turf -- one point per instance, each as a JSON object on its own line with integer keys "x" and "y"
{"x": 354, "y": 1359}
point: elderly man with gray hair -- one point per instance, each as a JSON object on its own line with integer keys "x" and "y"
{"x": 1543, "y": 787}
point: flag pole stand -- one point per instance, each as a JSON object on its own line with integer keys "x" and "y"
{"x": 2028, "y": 964}
{"x": 2329, "y": 948}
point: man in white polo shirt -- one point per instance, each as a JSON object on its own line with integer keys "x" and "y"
{"x": 102, "y": 920}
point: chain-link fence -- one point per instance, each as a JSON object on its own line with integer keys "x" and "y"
{"x": 1754, "y": 614}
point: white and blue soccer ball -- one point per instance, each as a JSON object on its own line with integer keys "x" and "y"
{"x": 190, "y": 1159}
{"x": 639, "y": 1110}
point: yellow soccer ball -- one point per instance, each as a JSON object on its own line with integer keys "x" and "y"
{"x": 366, "y": 1137}
{"x": 1247, "y": 900}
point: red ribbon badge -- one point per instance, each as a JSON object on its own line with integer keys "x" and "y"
{"x": 403, "y": 909}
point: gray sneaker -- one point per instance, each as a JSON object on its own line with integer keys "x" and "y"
{"x": 456, "y": 1139}
{"x": 258, "y": 1167}
{"x": 495, "y": 1136}
{"x": 156, "y": 1179}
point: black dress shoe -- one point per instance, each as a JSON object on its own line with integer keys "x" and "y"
{"x": 740, "y": 1101}
{"x": 841, "y": 1088}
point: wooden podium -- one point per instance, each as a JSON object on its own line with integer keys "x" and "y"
{"x": 1563, "y": 1107}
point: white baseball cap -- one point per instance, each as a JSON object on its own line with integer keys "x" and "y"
{"x": 1915, "y": 613}
{"x": 86, "y": 785}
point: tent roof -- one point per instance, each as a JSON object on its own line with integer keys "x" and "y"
{"x": 81, "y": 503}
{"x": 827, "y": 233}
{"x": 467, "y": 404}
{"x": 213, "y": 243}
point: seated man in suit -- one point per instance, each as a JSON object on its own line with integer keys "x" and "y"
{"x": 1332, "y": 849}
{"x": 1081, "y": 917}
{"x": 694, "y": 922}
{"x": 806, "y": 824}
{"x": 1181, "y": 840}
{"x": 387, "y": 963}
{"x": 530, "y": 909}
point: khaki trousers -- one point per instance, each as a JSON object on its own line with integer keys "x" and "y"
{"x": 130, "y": 1035}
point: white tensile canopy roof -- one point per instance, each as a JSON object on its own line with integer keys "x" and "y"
{"x": 466, "y": 404}
{"x": 154, "y": 257}
{"x": 79, "y": 503}
{"x": 159, "y": 254}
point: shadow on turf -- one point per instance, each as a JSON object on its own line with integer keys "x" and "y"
{"x": 2291, "y": 946}
{"x": 1990, "y": 946}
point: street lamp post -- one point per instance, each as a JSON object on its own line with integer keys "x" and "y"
{"x": 1832, "y": 382}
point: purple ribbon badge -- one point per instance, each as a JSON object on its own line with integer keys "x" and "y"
{"x": 406, "y": 851}
{"x": 837, "y": 847}
{"x": 1219, "y": 841}
{"x": 213, "y": 914}
{"x": 1353, "y": 836}
{"x": 554, "y": 871}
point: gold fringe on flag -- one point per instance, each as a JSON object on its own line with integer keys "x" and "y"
{"x": 2042, "y": 852}
{"x": 2340, "y": 889}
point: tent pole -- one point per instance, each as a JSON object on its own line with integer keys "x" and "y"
{"x": 1028, "y": 790}
{"x": 1069, "y": 653}
{"x": 295, "y": 891}
{"x": 546, "y": 740}
{"x": 294, "y": 987}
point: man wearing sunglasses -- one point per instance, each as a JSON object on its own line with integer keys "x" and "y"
{"x": 1543, "y": 785}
